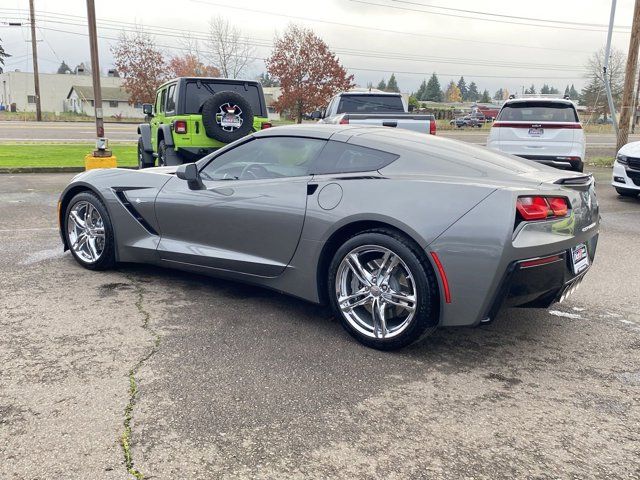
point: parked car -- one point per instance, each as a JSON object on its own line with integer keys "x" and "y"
{"x": 192, "y": 117}
{"x": 399, "y": 232}
{"x": 375, "y": 108}
{"x": 626, "y": 170}
{"x": 546, "y": 130}
{"x": 468, "y": 121}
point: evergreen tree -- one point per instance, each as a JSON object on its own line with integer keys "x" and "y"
{"x": 422, "y": 91}
{"x": 268, "y": 81}
{"x": 498, "y": 95}
{"x": 554, "y": 90}
{"x": 531, "y": 90}
{"x": 464, "y": 91}
{"x": 3, "y": 55}
{"x": 382, "y": 85}
{"x": 567, "y": 92}
{"x": 573, "y": 93}
{"x": 392, "y": 85}
{"x": 433, "y": 92}
{"x": 545, "y": 89}
{"x": 414, "y": 104}
{"x": 485, "y": 97}
{"x": 472, "y": 94}
{"x": 64, "y": 68}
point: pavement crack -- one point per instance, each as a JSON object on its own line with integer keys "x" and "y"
{"x": 125, "y": 438}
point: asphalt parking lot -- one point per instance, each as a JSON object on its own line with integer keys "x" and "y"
{"x": 210, "y": 379}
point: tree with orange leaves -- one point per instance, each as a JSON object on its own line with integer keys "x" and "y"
{"x": 141, "y": 64}
{"x": 189, "y": 66}
{"x": 308, "y": 72}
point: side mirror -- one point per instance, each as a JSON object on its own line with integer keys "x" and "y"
{"x": 147, "y": 109}
{"x": 189, "y": 172}
{"x": 316, "y": 115}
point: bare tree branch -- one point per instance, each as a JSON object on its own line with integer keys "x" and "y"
{"x": 227, "y": 50}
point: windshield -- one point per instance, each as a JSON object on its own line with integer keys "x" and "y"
{"x": 199, "y": 91}
{"x": 538, "y": 112}
{"x": 370, "y": 104}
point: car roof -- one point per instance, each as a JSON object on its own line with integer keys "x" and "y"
{"x": 210, "y": 79}
{"x": 538, "y": 99}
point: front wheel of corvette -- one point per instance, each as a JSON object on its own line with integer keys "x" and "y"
{"x": 89, "y": 233}
{"x": 383, "y": 290}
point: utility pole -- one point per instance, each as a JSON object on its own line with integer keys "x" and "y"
{"x": 605, "y": 75}
{"x": 34, "y": 50}
{"x": 95, "y": 68}
{"x": 629, "y": 79}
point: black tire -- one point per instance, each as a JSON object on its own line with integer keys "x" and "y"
{"x": 145, "y": 159}
{"x": 211, "y": 108}
{"x": 162, "y": 154}
{"x": 626, "y": 192}
{"x": 425, "y": 319}
{"x": 107, "y": 258}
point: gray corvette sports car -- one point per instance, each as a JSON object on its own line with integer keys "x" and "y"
{"x": 399, "y": 232}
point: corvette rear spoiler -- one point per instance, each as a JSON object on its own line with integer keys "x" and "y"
{"x": 582, "y": 182}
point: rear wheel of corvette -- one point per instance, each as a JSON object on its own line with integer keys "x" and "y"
{"x": 626, "y": 192}
{"x": 89, "y": 233}
{"x": 382, "y": 291}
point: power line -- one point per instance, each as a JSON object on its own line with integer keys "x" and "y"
{"x": 359, "y": 53}
{"x": 365, "y": 2}
{"x": 513, "y": 17}
{"x": 348, "y": 25}
{"x": 358, "y": 68}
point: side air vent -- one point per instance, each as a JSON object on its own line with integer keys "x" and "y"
{"x": 131, "y": 209}
{"x": 576, "y": 183}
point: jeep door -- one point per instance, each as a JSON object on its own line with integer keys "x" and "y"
{"x": 249, "y": 216}
{"x": 158, "y": 116}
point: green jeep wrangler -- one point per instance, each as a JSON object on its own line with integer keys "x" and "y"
{"x": 192, "y": 117}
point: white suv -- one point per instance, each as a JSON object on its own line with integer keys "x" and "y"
{"x": 626, "y": 170}
{"x": 546, "y": 130}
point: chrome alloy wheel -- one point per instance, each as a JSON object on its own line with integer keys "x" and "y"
{"x": 86, "y": 231}
{"x": 229, "y": 117}
{"x": 376, "y": 292}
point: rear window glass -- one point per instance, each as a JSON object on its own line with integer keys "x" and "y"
{"x": 370, "y": 104}
{"x": 339, "y": 157}
{"x": 538, "y": 112}
{"x": 199, "y": 91}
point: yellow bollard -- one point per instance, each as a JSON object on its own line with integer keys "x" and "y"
{"x": 91, "y": 162}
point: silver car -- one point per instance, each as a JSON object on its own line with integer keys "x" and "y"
{"x": 399, "y": 232}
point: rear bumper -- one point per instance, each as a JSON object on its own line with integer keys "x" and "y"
{"x": 538, "y": 286}
{"x": 558, "y": 161}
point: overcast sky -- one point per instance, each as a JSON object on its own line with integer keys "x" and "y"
{"x": 502, "y": 47}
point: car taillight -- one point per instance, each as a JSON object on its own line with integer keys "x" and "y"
{"x": 432, "y": 127}
{"x": 180, "y": 126}
{"x": 541, "y": 208}
{"x": 344, "y": 121}
{"x": 264, "y": 125}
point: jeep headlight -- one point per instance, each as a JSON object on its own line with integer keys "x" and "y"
{"x": 622, "y": 159}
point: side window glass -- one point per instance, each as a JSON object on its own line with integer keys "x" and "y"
{"x": 262, "y": 158}
{"x": 339, "y": 157}
{"x": 157, "y": 103}
{"x": 163, "y": 94}
{"x": 170, "y": 102}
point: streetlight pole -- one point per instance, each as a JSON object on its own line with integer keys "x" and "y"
{"x": 95, "y": 68}
{"x": 34, "y": 50}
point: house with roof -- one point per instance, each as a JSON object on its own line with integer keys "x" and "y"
{"x": 115, "y": 102}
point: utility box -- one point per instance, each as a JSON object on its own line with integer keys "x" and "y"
{"x": 91, "y": 162}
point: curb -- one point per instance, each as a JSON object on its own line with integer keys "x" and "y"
{"x": 48, "y": 169}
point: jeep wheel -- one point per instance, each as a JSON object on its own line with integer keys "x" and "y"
{"x": 145, "y": 159}
{"x": 162, "y": 154}
{"x": 227, "y": 117}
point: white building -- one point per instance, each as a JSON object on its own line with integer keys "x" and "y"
{"x": 115, "y": 102}
{"x": 17, "y": 88}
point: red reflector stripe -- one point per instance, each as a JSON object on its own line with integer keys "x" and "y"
{"x": 540, "y": 261}
{"x": 540, "y": 125}
{"x": 443, "y": 276}
{"x": 432, "y": 127}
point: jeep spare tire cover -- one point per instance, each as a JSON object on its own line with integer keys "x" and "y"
{"x": 227, "y": 117}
